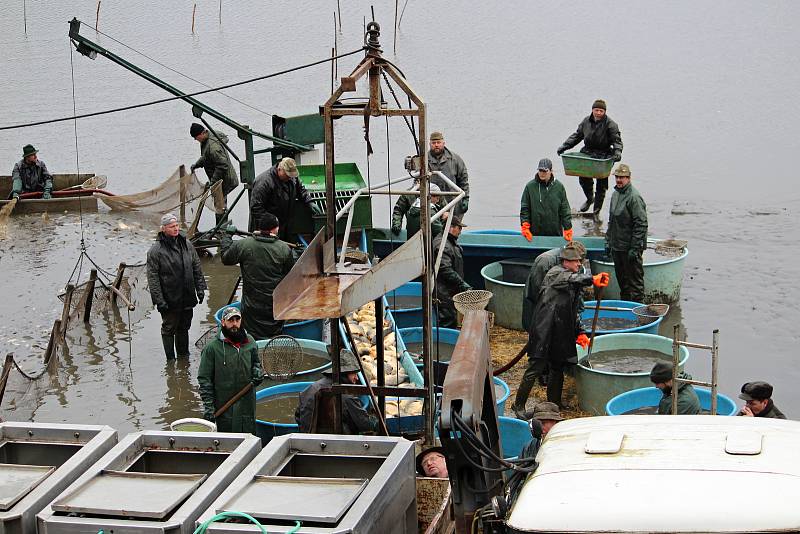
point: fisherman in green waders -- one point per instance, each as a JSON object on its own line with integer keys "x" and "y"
{"x": 601, "y": 140}
{"x": 215, "y": 161}
{"x": 264, "y": 260}
{"x": 30, "y": 175}
{"x": 227, "y": 364}
{"x": 409, "y": 206}
{"x": 544, "y": 208}
{"x": 626, "y": 237}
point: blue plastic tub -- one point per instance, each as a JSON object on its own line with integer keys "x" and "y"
{"x": 643, "y": 397}
{"x": 588, "y": 313}
{"x": 514, "y": 434}
{"x": 408, "y": 317}
{"x": 445, "y": 336}
{"x": 266, "y": 430}
{"x": 311, "y": 329}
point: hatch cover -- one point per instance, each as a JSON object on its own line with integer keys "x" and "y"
{"x": 17, "y": 480}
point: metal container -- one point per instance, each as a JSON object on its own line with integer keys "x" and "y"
{"x": 588, "y": 313}
{"x": 150, "y": 482}
{"x": 506, "y": 304}
{"x": 38, "y": 461}
{"x": 579, "y": 164}
{"x": 311, "y": 329}
{"x": 331, "y": 483}
{"x": 662, "y": 279}
{"x": 650, "y": 397}
{"x": 596, "y": 387}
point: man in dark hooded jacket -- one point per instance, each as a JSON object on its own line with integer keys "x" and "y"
{"x": 264, "y": 260}
{"x": 450, "y": 278}
{"x": 279, "y": 191}
{"x": 556, "y": 327}
{"x": 688, "y": 402}
{"x": 31, "y": 175}
{"x": 176, "y": 283}
{"x": 601, "y": 140}
{"x": 227, "y": 364}
{"x": 215, "y": 161}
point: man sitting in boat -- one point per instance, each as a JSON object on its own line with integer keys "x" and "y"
{"x": 30, "y": 175}
{"x": 758, "y": 401}
{"x": 409, "y": 206}
{"x": 227, "y": 364}
{"x": 315, "y": 410}
{"x": 661, "y": 377}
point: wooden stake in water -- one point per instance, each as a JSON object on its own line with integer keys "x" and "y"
{"x": 25, "y": 16}
{"x": 194, "y": 9}
{"x": 339, "y": 10}
{"x": 97, "y": 16}
{"x": 220, "y": 11}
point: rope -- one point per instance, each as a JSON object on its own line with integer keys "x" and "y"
{"x": 226, "y": 515}
{"x": 409, "y": 124}
{"x": 180, "y": 97}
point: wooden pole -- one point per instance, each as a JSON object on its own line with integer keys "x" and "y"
{"x": 220, "y": 11}
{"x": 394, "y": 47}
{"x": 25, "y": 16}
{"x": 194, "y": 10}
{"x": 97, "y": 16}
{"x": 89, "y": 289}
{"x": 339, "y": 10}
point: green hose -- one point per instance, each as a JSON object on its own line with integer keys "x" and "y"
{"x": 224, "y": 515}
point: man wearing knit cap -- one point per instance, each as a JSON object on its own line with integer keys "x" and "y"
{"x": 758, "y": 401}
{"x": 176, "y": 283}
{"x": 544, "y": 208}
{"x": 601, "y": 140}
{"x": 279, "y": 191}
{"x": 215, "y": 161}
{"x": 442, "y": 159}
{"x": 688, "y": 402}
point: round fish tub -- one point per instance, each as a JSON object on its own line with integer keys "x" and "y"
{"x": 514, "y": 434}
{"x": 308, "y": 373}
{"x": 588, "y": 313}
{"x": 266, "y": 430}
{"x": 501, "y": 390}
{"x": 447, "y": 338}
{"x": 650, "y": 397}
{"x": 407, "y": 317}
{"x": 662, "y": 279}
{"x": 311, "y": 329}
{"x": 596, "y": 387}
{"x": 506, "y": 280}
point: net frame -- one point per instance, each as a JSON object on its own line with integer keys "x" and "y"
{"x": 472, "y": 299}
{"x": 281, "y": 357}
{"x": 650, "y": 312}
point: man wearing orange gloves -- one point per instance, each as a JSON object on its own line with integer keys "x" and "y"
{"x": 544, "y": 208}
{"x": 556, "y": 327}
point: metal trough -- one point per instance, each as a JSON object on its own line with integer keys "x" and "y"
{"x": 38, "y": 461}
{"x": 331, "y": 483}
{"x": 151, "y": 482}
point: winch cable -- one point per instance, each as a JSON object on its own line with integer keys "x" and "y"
{"x": 182, "y": 96}
{"x": 409, "y": 124}
{"x": 179, "y": 73}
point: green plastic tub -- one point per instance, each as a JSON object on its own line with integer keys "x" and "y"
{"x": 579, "y": 164}
{"x": 506, "y": 303}
{"x": 595, "y": 387}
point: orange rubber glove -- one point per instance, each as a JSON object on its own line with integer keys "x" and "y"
{"x": 583, "y": 341}
{"x": 601, "y": 280}
{"x": 568, "y": 234}
{"x": 526, "y": 231}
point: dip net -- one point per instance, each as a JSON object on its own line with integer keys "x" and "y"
{"x": 115, "y": 300}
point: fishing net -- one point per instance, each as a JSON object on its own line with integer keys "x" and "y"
{"x": 117, "y": 301}
{"x": 472, "y": 299}
{"x": 670, "y": 247}
{"x": 650, "y": 312}
{"x": 281, "y": 357}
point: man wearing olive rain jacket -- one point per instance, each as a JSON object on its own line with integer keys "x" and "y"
{"x": 626, "y": 237}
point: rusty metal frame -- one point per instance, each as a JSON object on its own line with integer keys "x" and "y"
{"x": 676, "y": 352}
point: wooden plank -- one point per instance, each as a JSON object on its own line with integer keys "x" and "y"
{"x": 53, "y": 205}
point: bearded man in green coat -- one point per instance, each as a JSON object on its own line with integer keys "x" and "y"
{"x": 544, "y": 208}
{"x": 265, "y": 260}
{"x": 227, "y": 364}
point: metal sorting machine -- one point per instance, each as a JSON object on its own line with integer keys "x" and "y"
{"x": 37, "y": 461}
{"x": 151, "y": 481}
{"x": 332, "y": 483}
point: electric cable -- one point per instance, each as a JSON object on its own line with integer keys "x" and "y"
{"x": 180, "y": 97}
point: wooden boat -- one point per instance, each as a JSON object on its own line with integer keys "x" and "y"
{"x": 67, "y": 195}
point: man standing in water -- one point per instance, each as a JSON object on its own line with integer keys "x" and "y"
{"x": 544, "y": 208}
{"x": 688, "y": 402}
{"x": 264, "y": 261}
{"x": 626, "y": 237}
{"x": 556, "y": 327}
{"x": 227, "y": 364}
{"x": 601, "y": 140}
{"x": 450, "y": 164}
{"x": 215, "y": 161}
{"x": 31, "y": 175}
{"x": 176, "y": 282}
{"x": 450, "y": 278}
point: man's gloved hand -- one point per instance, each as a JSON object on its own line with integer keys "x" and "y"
{"x": 568, "y": 234}
{"x": 162, "y": 308}
{"x": 634, "y": 254}
{"x": 46, "y": 195}
{"x": 192, "y": 167}
{"x": 616, "y": 157}
{"x": 396, "y": 229}
{"x": 257, "y": 381}
{"x": 209, "y": 416}
{"x": 200, "y": 296}
{"x": 526, "y": 231}
{"x": 231, "y": 229}
{"x": 464, "y": 204}
{"x": 316, "y": 209}
{"x": 582, "y": 340}
{"x": 15, "y": 194}
{"x": 601, "y": 280}
{"x": 561, "y": 150}
{"x": 206, "y": 186}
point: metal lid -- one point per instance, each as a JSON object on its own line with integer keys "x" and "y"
{"x": 17, "y": 480}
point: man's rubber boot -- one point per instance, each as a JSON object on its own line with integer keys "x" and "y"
{"x": 169, "y": 346}
{"x": 586, "y": 205}
{"x": 521, "y": 399}
{"x": 587, "y": 184}
{"x": 182, "y": 344}
{"x": 598, "y": 202}
{"x": 555, "y": 386}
